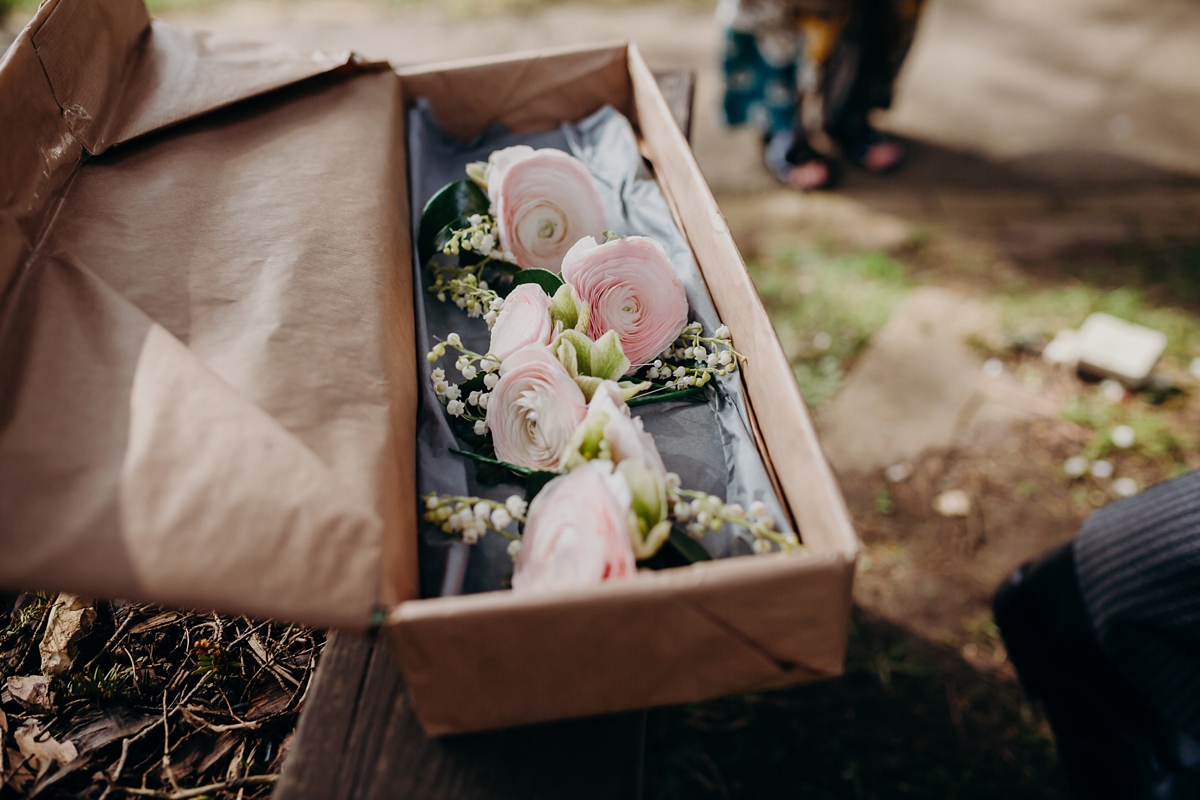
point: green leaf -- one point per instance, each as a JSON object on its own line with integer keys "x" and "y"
{"x": 522, "y": 471}
{"x": 608, "y": 360}
{"x": 458, "y": 199}
{"x": 542, "y": 277}
{"x": 688, "y": 547}
{"x": 691, "y": 393}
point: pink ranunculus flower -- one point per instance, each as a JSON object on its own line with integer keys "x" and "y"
{"x": 632, "y": 289}
{"x": 534, "y": 409}
{"x": 577, "y": 532}
{"x": 544, "y": 201}
{"x": 524, "y": 319}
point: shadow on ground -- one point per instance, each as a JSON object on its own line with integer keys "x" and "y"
{"x": 909, "y": 719}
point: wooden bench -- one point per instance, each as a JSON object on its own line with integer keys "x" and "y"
{"x": 358, "y": 737}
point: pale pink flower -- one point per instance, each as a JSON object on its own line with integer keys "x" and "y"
{"x": 544, "y": 201}
{"x": 534, "y": 409}
{"x": 524, "y": 319}
{"x": 577, "y": 532}
{"x": 632, "y": 289}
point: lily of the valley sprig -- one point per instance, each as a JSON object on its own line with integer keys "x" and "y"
{"x": 472, "y": 517}
{"x": 701, "y": 512}
{"x": 468, "y": 291}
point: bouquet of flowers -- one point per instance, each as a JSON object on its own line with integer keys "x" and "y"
{"x": 583, "y": 325}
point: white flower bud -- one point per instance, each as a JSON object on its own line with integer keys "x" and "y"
{"x": 455, "y": 408}
{"x": 500, "y": 518}
{"x": 482, "y": 510}
{"x": 762, "y": 546}
{"x": 758, "y": 509}
{"x": 481, "y": 427}
{"x": 474, "y": 220}
{"x": 722, "y": 332}
{"x": 484, "y": 399}
{"x": 473, "y": 397}
{"x": 431, "y": 502}
{"x": 452, "y": 392}
{"x": 516, "y": 506}
{"x": 490, "y": 380}
{"x": 514, "y": 547}
{"x": 673, "y": 481}
{"x": 454, "y": 340}
{"x": 469, "y": 371}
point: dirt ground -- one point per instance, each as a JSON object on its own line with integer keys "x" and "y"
{"x": 1052, "y": 173}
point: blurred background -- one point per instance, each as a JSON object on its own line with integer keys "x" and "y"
{"x": 1053, "y": 172}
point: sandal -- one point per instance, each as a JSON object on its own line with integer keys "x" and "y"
{"x": 795, "y": 164}
{"x": 877, "y": 153}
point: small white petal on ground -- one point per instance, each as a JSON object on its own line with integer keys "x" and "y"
{"x": 954, "y": 503}
{"x": 1075, "y": 466}
{"x": 1122, "y": 436}
{"x": 1125, "y": 487}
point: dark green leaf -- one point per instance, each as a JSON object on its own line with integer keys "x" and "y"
{"x": 678, "y": 551}
{"x": 543, "y": 278}
{"x": 458, "y": 199}
{"x": 691, "y": 393}
{"x": 535, "y": 482}
{"x": 688, "y": 547}
{"x": 522, "y": 471}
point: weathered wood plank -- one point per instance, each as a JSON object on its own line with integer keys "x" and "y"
{"x": 679, "y": 89}
{"x": 358, "y": 739}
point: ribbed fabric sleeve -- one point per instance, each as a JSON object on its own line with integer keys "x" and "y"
{"x": 1138, "y": 562}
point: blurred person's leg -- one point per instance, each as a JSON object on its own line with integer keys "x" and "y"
{"x": 860, "y": 75}
{"x": 1104, "y": 632}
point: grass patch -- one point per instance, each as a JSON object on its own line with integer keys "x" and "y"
{"x": 826, "y": 307}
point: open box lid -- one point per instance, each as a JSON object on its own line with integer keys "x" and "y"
{"x": 203, "y": 339}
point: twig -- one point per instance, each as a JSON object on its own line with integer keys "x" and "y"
{"x": 111, "y": 642}
{"x": 200, "y": 722}
{"x": 166, "y": 757}
{"x": 184, "y": 794}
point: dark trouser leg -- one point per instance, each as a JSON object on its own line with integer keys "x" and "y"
{"x": 863, "y": 67}
{"x": 1099, "y": 722}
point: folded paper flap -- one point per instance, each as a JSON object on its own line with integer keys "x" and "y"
{"x": 89, "y": 50}
{"x": 38, "y": 156}
{"x": 261, "y": 238}
{"x": 117, "y": 75}
{"x": 525, "y": 91}
{"x": 189, "y": 495}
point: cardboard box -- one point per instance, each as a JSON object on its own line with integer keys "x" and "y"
{"x": 207, "y": 391}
